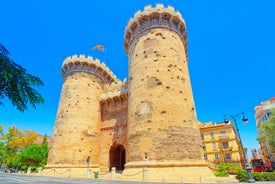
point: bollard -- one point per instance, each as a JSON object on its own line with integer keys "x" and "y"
{"x": 88, "y": 173}
{"x": 96, "y": 174}
{"x": 113, "y": 176}
{"x": 181, "y": 179}
{"x": 144, "y": 174}
{"x": 201, "y": 179}
{"x": 163, "y": 179}
{"x": 29, "y": 171}
{"x": 69, "y": 172}
{"x": 53, "y": 171}
{"x": 39, "y": 171}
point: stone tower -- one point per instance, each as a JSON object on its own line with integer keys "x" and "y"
{"x": 146, "y": 123}
{"x": 77, "y": 127}
{"x": 162, "y": 127}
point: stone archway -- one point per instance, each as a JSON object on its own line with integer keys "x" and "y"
{"x": 117, "y": 157}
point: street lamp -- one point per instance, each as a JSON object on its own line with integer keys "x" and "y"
{"x": 245, "y": 120}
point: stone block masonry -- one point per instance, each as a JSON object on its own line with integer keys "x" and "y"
{"x": 146, "y": 122}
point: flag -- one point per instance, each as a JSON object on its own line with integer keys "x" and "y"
{"x": 99, "y": 47}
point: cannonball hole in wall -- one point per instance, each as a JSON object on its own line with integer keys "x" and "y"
{"x": 158, "y": 34}
{"x": 163, "y": 112}
{"x": 167, "y": 87}
{"x": 180, "y": 92}
{"x": 155, "y": 60}
{"x": 157, "y": 70}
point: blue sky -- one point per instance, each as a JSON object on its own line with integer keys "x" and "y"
{"x": 231, "y": 50}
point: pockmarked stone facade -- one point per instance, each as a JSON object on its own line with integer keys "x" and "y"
{"x": 147, "y": 121}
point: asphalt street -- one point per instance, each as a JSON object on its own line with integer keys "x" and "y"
{"x": 16, "y": 179}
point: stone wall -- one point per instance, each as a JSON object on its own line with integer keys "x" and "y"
{"x": 113, "y": 128}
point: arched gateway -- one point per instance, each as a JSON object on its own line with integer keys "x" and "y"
{"x": 117, "y": 157}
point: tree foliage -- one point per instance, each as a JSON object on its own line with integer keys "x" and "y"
{"x": 34, "y": 156}
{"x": 228, "y": 168}
{"x": 12, "y": 142}
{"x": 267, "y": 132}
{"x": 16, "y": 84}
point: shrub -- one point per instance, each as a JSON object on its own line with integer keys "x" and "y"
{"x": 221, "y": 174}
{"x": 242, "y": 175}
{"x": 257, "y": 176}
{"x": 269, "y": 176}
{"x": 228, "y": 167}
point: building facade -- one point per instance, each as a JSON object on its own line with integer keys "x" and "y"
{"x": 220, "y": 143}
{"x": 262, "y": 114}
{"x": 147, "y": 121}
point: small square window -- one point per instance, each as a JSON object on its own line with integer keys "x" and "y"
{"x": 216, "y": 156}
{"x": 212, "y": 135}
{"x": 227, "y": 156}
{"x": 202, "y": 136}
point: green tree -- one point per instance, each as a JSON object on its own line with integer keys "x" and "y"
{"x": 228, "y": 168}
{"x": 34, "y": 156}
{"x": 12, "y": 142}
{"x": 16, "y": 83}
{"x": 267, "y": 132}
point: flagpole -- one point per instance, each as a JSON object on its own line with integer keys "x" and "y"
{"x": 105, "y": 52}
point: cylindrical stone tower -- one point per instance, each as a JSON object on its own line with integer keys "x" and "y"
{"x": 77, "y": 127}
{"x": 162, "y": 124}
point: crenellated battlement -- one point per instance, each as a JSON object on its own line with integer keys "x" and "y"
{"x": 154, "y": 17}
{"x": 115, "y": 89}
{"x": 87, "y": 64}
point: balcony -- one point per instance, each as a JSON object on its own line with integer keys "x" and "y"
{"x": 226, "y": 148}
{"x": 224, "y": 137}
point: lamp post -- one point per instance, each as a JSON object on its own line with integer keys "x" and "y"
{"x": 247, "y": 165}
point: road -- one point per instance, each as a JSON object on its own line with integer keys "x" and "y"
{"x": 16, "y": 179}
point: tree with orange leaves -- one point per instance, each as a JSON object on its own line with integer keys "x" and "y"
{"x": 13, "y": 142}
